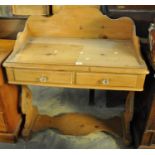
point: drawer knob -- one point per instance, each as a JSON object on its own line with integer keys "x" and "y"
{"x": 43, "y": 79}
{"x": 105, "y": 82}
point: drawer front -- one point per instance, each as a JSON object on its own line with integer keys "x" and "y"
{"x": 30, "y": 10}
{"x": 151, "y": 115}
{"x": 153, "y": 139}
{"x": 129, "y": 8}
{"x": 148, "y": 139}
{"x": 111, "y": 80}
{"x": 40, "y": 76}
{"x": 3, "y": 127}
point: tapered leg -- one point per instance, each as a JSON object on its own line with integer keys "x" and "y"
{"x": 127, "y": 117}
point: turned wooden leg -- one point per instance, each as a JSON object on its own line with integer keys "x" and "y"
{"x": 30, "y": 112}
{"x": 128, "y": 114}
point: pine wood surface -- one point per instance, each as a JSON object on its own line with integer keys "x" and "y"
{"x": 6, "y": 47}
{"x": 75, "y": 49}
{"x": 10, "y": 119}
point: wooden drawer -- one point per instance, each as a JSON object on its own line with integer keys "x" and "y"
{"x": 151, "y": 116}
{"x": 57, "y": 8}
{"x": 153, "y": 139}
{"x": 132, "y": 7}
{"x": 107, "y": 80}
{"x": 30, "y": 9}
{"x": 151, "y": 124}
{"x": 40, "y": 76}
{"x": 3, "y": 127}
{"x": 148, "y": 140}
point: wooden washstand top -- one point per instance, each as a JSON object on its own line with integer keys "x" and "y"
{"x": 76, "y": 51}
{"x": 82, "y": 38}
{"x": 78, "y": 40}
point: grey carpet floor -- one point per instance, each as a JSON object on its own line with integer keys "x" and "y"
{"x": 55, "y": 101}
